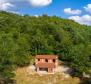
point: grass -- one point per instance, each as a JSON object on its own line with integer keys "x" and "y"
{"x": 23, "y": 77}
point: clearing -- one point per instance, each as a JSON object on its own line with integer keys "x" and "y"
{"x": 27, "y": 75}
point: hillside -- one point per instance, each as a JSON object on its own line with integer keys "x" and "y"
{"x": 22, "y": 37}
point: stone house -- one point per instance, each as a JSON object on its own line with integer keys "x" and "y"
{"x": 46, "y": 63}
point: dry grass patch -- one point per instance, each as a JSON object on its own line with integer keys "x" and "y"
{"x": 23, "y": 77}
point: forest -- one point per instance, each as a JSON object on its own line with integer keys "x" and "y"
{"x": 24, "y": 36}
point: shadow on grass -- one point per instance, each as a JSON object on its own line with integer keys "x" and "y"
{"x": 85, "y": 81}
{"x": 7, "y": 81}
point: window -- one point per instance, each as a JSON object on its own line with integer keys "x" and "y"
{"x": 54, "y": 60}
{"x": 46, "y": 60}
{"x": 38, "y": 59}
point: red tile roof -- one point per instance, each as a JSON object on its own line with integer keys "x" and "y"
{"x": 45, "y": 65}
{"x": 46, "y": 56}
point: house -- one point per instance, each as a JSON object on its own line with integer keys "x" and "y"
{"x": 46, "y": 62}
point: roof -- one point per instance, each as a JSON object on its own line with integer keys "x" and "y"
{"x": 46, "y": 56}
{"x": 45, "y": 65}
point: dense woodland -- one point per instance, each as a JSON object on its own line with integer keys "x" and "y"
{"x": 22, "y": 37}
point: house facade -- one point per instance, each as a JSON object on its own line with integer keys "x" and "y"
{"x": 46, "y": 62}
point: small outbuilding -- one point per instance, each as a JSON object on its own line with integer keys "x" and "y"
{"x": 46, "y": 63}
